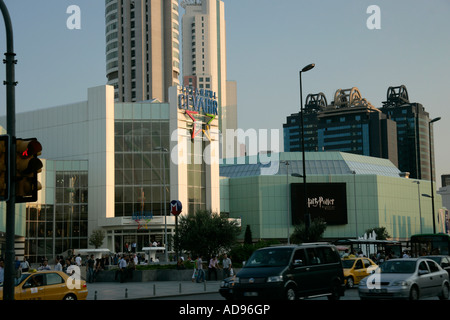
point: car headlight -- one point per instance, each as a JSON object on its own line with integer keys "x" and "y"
{"x": 275, "y": 279}
{"x": 401, "y": 283}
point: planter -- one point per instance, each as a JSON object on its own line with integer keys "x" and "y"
{"x": 154, "y": 275}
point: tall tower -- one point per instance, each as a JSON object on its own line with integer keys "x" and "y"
{"x": 204, "y": 56}
{"x": 413, "y": 133}
{"x": 142, "y": 48}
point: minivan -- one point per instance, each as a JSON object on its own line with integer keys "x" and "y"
{"x": 290, "y": 272}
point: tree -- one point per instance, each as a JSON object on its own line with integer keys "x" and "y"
{"x": 96, "y": 238}
{"x": 206, "y": 233}
{"x": 381, "y": 233}
{"x": 314, "y": 233}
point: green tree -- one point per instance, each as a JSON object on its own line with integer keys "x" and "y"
{"x": 96, "y": 238}
{"x": 314, "y": 233}
{"x": 206, "y": 233}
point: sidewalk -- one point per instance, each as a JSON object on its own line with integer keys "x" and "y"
{"x": 148, "y": 290}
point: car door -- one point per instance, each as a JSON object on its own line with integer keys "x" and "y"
{"x": 300, "y": 272}
{"x": 55, "y": 288}
{"x": 424, "y": 279}
{"x": 436, "y": 278}
{"x": 33, "y": 288}
{"x": 359, "y": 271}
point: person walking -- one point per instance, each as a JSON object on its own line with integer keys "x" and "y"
{"x": 200, "y": 271}
{"x": 90, "y": 269}
{"x": 226, "y": 265}
{"x": 212, "y": 267}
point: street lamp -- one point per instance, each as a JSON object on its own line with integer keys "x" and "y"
{"x": 307, "y": 216}
{"x": 431, "y": 171}
{"x": 287, "y": 200}
{"x": 164, "y": 150}
{"x": 420, "y": 207}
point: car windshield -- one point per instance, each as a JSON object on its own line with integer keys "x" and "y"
{"x": 270, "y": 258}
{"x": 398, "y": 266}
{"x": 347, "y": 263}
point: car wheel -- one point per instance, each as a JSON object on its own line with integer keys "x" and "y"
{"x": 445, "y": 293}
{"x": 290, "y": 293}
{"x": 414, "y": 293}
{"x": 334, "y": 294}
{"x": 350, "y": 282}
{"x": 70, "y": 297}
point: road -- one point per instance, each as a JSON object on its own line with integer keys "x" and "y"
{"x": 350, "y": 294}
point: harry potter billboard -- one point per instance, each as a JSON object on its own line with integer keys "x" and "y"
{"x": 325, "y": 200}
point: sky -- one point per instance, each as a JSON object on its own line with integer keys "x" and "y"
{"x": 268, "y": 43}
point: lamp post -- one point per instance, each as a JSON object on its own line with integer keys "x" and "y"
{"x": 164, "y": 150}
{"x": 306, "y": 213}
{"x": 420, "y": 207}
{"x": 10, "y": 273}
{"x": 431, "y": 171}
{"x": 287, "y": 200}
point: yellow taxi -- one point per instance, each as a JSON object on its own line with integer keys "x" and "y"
{"x": 48, "y": 285}
{"x": 355, "y": 269}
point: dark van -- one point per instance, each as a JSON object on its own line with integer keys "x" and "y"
{"x": 290, "y": 272}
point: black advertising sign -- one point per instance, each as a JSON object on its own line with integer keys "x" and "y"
{"x": 325, "y": 200}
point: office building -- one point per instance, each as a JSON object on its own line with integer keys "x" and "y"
{"x": 349, "y": 124}
{"x": 142, "y": 48}
{"x": 413, "y": 134}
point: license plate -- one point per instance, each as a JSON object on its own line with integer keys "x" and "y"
{"x": 378, "y": 290}
{"x": 250, "y": 294}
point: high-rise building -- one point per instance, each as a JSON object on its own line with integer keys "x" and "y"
{"x": 413, "y": 133}
{"x": 349, "y": 124}
{"x": 205, "y": 59}
{"x": 142, "y": 48}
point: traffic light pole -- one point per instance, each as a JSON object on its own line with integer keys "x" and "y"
{"x": 8, "y": 284}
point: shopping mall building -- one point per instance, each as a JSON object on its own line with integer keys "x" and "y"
{"x": 113, "y": 166}
{"x": 117, "y": 166}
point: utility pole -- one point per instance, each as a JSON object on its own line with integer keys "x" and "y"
{"x": 10, "y": 274}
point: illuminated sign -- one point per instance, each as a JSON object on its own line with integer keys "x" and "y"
{"x": 198, "y": 104}
{"x": 325, "y": 200}
{"x": 199, "y": 100}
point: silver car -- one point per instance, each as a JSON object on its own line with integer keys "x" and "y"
{"x": 406, "y": 279}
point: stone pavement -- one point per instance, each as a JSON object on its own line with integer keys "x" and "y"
{"x": 148, "y": 290}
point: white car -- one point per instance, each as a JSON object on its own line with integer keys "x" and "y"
{"x": 412, "y": 279}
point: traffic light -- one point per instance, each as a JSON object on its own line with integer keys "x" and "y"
{"x": 4, "y": 167}
{"x": 27, "y": 167}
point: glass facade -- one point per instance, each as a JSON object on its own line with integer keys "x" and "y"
{"x": 141, "y": 166}
{"x": 196, "y": 175}
{"x": 52, "y": 229}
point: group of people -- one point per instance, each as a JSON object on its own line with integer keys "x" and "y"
{"x": 126, "y": 265}
{"x": 213, "y": 266}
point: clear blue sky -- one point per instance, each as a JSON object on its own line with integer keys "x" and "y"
{"x": 268, "y": 42}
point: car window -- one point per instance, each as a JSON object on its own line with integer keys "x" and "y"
{"x": 433, "y": 266}
{"x": 54, "y": 278}
{"x": 299, "y": 257}
{"x": 313, "y": 257}
{"x": 329, "y": 255}
{"x": 35, "y": 281}
{"x": 423, "y": 266}
{"x": 358, "y": 264}
{"x": 367, "y": 263}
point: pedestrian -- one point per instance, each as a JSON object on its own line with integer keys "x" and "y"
{"x": 90, "y": 269}
{"x": 78, "y": 260}
{"x": 201, "y": 272}
{"x": 44, "y": 266}
{"x": 226, "y": 265}
{"x": 58, "y": 266}
{"x": 97, "y": 268}
{"x": 25, "y": 265}
{"x": 212, "y": 267}
{"x": 122, "y": 269}
{"x": 195, "y": 274}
